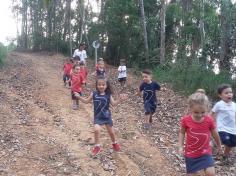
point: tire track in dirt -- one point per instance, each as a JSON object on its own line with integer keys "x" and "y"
{"x": 53, "y": 120}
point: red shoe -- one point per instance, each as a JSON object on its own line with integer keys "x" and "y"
{"x": 116, "y": 147}
{"x": 96, "y": 150}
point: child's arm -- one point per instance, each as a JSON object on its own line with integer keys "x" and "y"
{"x": 181, "y": 140}
{"x": 84, "y": 100}
{"x": 94, "y": 73}
{"x": 213, "y": 114}
{"x": 216, "y": 137}
{"x": 121, "y": 98}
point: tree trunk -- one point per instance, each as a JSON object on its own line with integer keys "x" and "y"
{"x": 67, "y": 22}
{"x": 24, "y": 28}
{"x": 163, "y": 34}
{"x": 82, "y": 14}
{"x": 144, "y": 31}
{"x": 224, "y": 45}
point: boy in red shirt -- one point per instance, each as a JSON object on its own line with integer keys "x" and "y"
{"x": 76, "y": 85}
{"x": 83, "y": 72}
{"x": 67, "y": 69}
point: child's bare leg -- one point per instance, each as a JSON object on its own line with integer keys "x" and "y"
{"x": 111, "y": 133}
{"x": 150, "y": 118}
{"x": 227, "y": 150}
{"x": 210, "y": 171}
{"x": 146, "y": 118}
{"x": 199, "y": 173}
{"x": 97, "y": 131}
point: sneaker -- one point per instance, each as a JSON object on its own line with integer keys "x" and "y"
{"x": 75, "y": 107}
{"x": 96, "y": 150}
{"x": 146, "y": 126}
{"x": 116, "y": 147}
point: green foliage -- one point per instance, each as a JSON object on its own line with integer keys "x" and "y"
{"x": 3, "y": 53}
{"x": 187, "y": 79}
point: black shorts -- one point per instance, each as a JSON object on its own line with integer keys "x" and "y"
{"x": 227, "y": 139}
{"x": 73, "y": 97}
{"x": 122, "y": 79}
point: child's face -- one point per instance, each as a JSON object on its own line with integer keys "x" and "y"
{"x": 146, "y": 78}
{"x": 77, "y": 69}
{"x": 198, "y": 111}
{"x": 101, "y": 85}
{"x": 101, "y": 65}
{"x": 227, "y": 95}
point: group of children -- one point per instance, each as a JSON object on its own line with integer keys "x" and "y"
{"x": 75, "y": 74}
{"x": 201, "y": 124}
{"x": 198, "y": 126}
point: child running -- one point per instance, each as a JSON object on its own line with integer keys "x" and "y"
{"x": 67, "y": 69}
{"x": 100, "y": 70}
{"x": 76, "y": 85}
{"x": 102, "y": 98}
{"x": 198, "y": 128}
{"x": 83, "y": 72}
{"x": 225, "y": 113}
{"x": 149, "y": 88}
{"x": 122, "y": 73}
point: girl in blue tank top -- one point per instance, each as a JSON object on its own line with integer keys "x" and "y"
{"x": 102, "y": 98}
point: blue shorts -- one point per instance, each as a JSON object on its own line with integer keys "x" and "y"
{"x": 150, "y": 107}
{"x": 194, "y": 165}
{"x": 227, "y": 139}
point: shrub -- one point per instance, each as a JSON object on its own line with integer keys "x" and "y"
{"x": 3, "y": 53}
{"x": 187, "y": 79}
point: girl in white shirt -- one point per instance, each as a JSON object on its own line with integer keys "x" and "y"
{"x": 122, "y": 73}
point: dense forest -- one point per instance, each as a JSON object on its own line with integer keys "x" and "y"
{"x": 187, "y": 41}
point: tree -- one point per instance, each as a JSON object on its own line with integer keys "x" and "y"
{"x": 144, "y": 31}
{"x": 163, "y": 35}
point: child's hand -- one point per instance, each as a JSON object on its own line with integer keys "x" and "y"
{"x": 77, "y": 94}
{"x": 219, "y": 150}
{"x": 181, "y": 151}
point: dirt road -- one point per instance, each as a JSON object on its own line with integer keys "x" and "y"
{"x": 41, "y": 135}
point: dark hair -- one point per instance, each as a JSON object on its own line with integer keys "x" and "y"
{"x": 71, "y": 60}
{"x": 223, "y": 87}
{"x": 109, "y": 87}
{"x": 81, "y": 63}
{"x": 76, "y": 65}
{"x": 77, "y": 58}
{"x": 148, "y": 72}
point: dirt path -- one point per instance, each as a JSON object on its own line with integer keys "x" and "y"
{"x": 41, "y": 135}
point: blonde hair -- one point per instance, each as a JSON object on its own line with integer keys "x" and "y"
{"x": 200, "y": 91}
{"x": 198, "y": 98}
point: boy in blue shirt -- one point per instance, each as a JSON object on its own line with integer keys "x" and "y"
{"x": 148, "y": 88}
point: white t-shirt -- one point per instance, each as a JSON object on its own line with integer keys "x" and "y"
{"x": 122, "y": 71}
{"x": 82, "y": 54}
{"x": 225, "y": 116}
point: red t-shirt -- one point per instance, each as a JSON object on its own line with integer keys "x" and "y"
{"x": 84, "y": 73}
{"x": 197, "y": 136}
{"x": 76, "y": 82}
{"x": 67, "y": 68}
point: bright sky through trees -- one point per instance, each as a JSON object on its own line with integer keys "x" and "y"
{"x": 8, "y": 23}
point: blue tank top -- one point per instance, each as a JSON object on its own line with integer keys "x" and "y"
{"x": 101, "y": 105}
{"x": 101, "y": 72}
